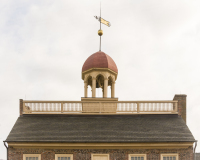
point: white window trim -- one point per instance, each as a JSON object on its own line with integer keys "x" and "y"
{"x": 169, "y": 154}
{"x": 63, "y": 155}
{"x": 31, "y": 155}
{"x": 132, "y": 155}
{"x": 99, "y": 155}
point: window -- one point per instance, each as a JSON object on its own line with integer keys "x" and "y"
{"x": 100, "y": 156}
{"x": 137, "y": 156}
{"x": 31, "y": 157}
{"x": 63, "y": 157}
{"x": 169, "y": 156}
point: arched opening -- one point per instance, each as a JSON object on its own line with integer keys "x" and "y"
{"x": 99, "y": 85}
{"x": 88, "y": 86}
{"x": 89, "y": 91}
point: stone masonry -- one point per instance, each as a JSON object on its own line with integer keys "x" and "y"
{"x": 85, "y": 154}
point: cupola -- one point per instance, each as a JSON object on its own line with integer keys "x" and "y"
{"x": 99, "y": 71}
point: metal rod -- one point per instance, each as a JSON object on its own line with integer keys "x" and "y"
{"x": 100, "y": 44}
{"x": 6, "y": 148}
{"x": 100, "y": 27}
{"x": 195, "y": 150}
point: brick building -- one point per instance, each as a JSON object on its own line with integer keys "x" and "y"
{"x": 101, "y": 128}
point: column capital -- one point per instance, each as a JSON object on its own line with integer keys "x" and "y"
{"x": 94, "y": 78}
{"x": 106, "y": 78}
{"x": 113, "y": 82}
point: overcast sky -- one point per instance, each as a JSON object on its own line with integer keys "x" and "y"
{"x": 43, "y": 45}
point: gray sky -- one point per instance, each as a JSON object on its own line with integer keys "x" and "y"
{"x": 43, "y": 45}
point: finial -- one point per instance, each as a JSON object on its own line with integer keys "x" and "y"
{"x": 100, "y": 32}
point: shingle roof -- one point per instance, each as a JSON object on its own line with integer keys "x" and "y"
{"x": 134, "y": 128}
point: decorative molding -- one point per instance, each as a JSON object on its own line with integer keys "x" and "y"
{"x": 102, "y": 145}
{"x": 96, "y": 71}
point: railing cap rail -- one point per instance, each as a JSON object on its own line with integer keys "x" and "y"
{"x": 147, "y": 101}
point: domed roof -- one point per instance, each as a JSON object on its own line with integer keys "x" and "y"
{"x": 99, "y": 60}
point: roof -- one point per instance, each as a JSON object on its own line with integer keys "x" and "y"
{"x": 91, "y": 128}
{"x": 99, "y": 60}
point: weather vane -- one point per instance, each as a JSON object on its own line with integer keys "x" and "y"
{"x": 101, "y": 20}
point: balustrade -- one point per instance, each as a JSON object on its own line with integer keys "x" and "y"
{"x": 99, "y": 107}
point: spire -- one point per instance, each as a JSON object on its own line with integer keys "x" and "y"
{"x": 101, "y": 20}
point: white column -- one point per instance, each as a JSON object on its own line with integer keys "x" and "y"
{"x": 93, "y": 87}
{"x": 105, "y": 87}
{"x": 113, "y": 90}
{"x": 85, "y": 89}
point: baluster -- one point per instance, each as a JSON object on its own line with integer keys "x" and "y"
{"x": 55, "y": 107}
{"x": 161, "y": 107}
{"x": 156, "y": 105}
{"x": 168, "y": 108}
{"x": 36, "y": 106}
{"x": 30, "y": 106}
{"x": 50, "y": 106}
{"x": 66, "y": 107}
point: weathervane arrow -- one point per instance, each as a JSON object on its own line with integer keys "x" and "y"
{"x": 101, "y": 20}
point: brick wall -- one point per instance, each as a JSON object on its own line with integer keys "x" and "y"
{"x": 20, "y": 107}
{"x": 181, "y": 105}
{"x": 85, "y": 154}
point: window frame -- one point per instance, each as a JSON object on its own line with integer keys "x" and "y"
{"x": 169, "y": 154}
{"x": 100, "y": 155}
{"x": 64, "y": 155}
{"x": 31, "y": 155}
{"x": 145, "y": 156}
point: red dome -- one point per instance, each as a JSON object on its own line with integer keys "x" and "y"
{"x": 99, "y": 60}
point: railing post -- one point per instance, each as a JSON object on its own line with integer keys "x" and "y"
{"x": 21, "y": 108}
{"x": 176, "y": 106}
{"x": 138, "y": 107}
{"x": 100, "y": 107}
{"x": 61, "y": 107}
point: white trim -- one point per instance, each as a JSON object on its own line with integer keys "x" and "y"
{"x": 133, "y": 155}
{"x": 169, "y": 154}
{"x": 63, "y": 155}
{"x": 99, "y": 155}
{"x": 31, "y": 155}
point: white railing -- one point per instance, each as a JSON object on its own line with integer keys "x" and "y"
{"x": 99, "y": 107}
